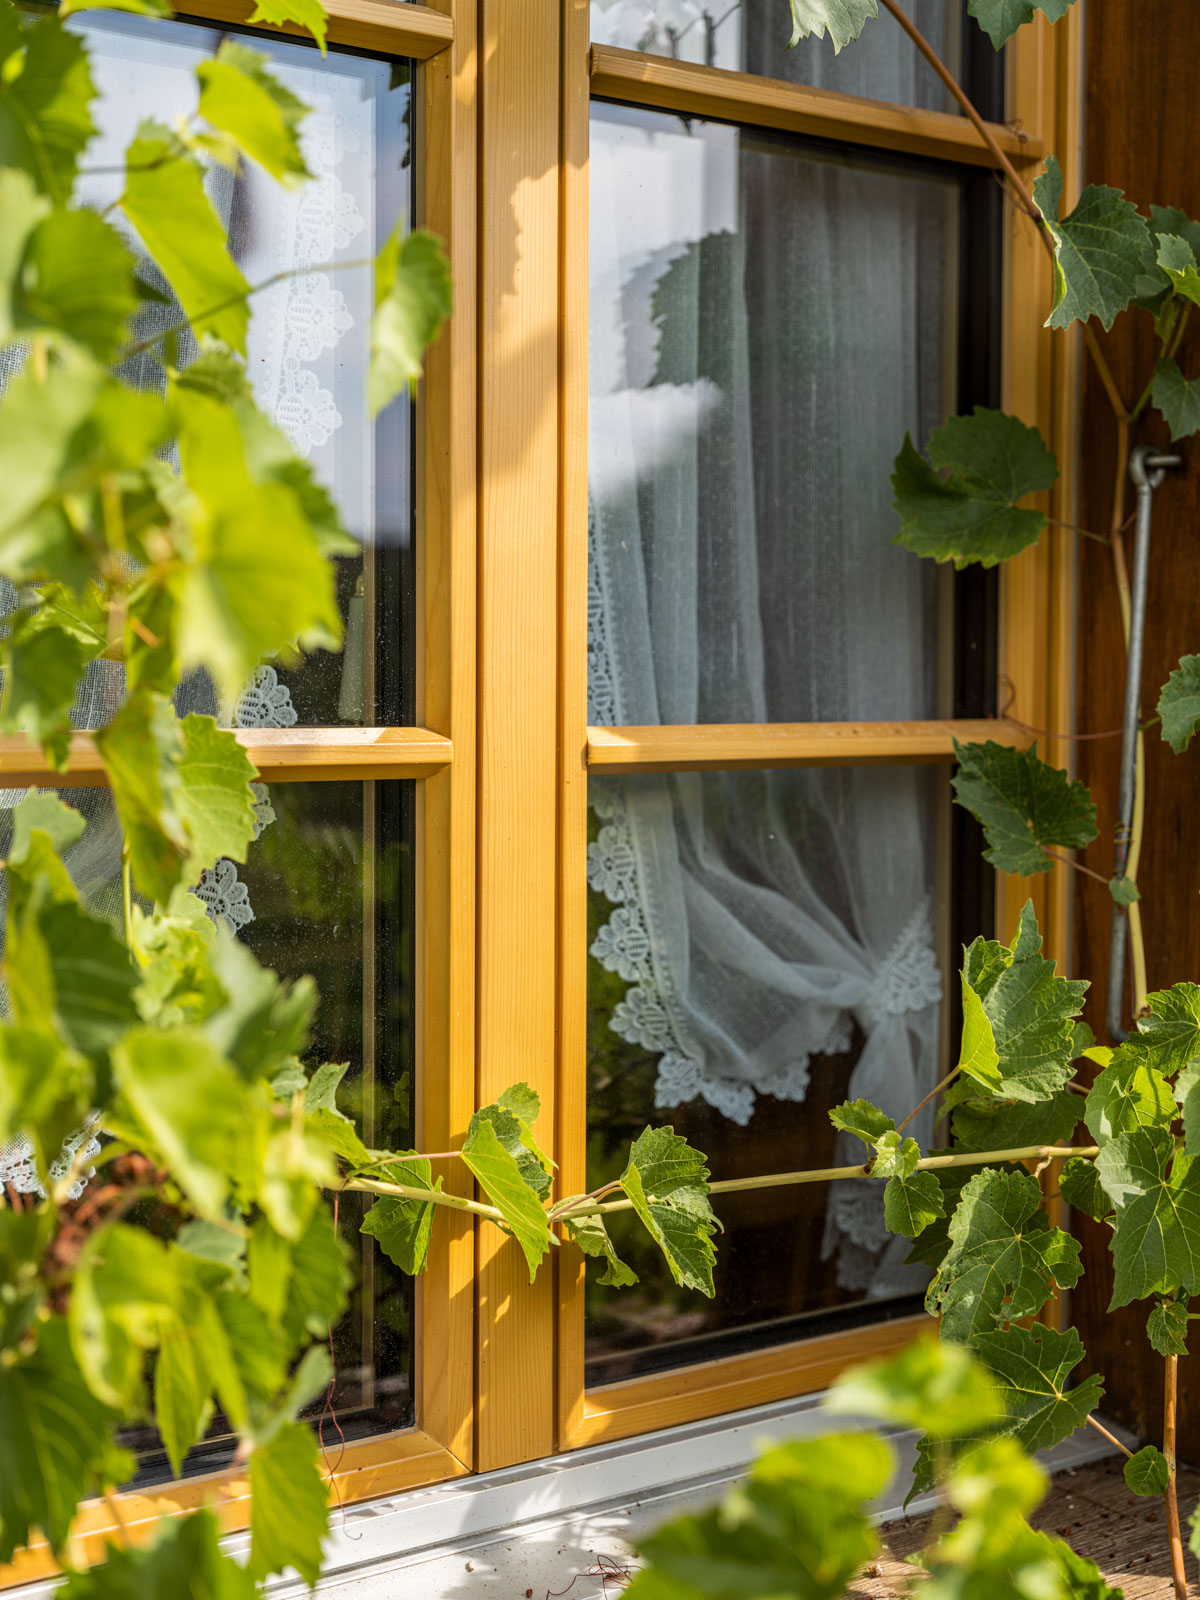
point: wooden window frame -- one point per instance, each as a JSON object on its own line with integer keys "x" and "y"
{"x": 438, "y": 755}
{"x": 503, "y": 749}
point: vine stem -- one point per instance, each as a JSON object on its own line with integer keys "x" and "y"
{"x": 936, "y": 1090}
{"x": 775, "y": 1180}
{"x": 1111, "y": 1437}
{"x": 1078, "y": 866}
{"x": 1170, "y": 1409}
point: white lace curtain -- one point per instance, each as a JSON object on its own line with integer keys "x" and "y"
{"x": 765, "y": 328}
{"x": 307, "y": 374}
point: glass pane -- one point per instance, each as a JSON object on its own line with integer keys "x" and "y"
{"x": 309, "y": 333}
{"x": 767, "y": 321}
{"x": 752, "y": 36}
{"x": 764, "y": 945}
{"x": 327, "y": 889}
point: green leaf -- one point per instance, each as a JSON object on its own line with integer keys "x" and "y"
{"x": 38, "y": 427}
{"x": 76, "y": 278}
{"x": 242, "y": 98}
{"x": 843, "y": 20}
{"x": 1023, "y": 804}
{"x": 122, "y": 1296}
{"x": 896, "y": 1157}
{"x": 1178, "y": 398}
{"x": 22, "y": 208}
{"x": 70, "y": 970}
{"x": 1034, "y": 1365}
{"x": 142, "y": 747}
{"x": 1169, "y": 1037}
{"x": 1177, "y": 260}
{"x": 1156, "y": 1235}
{"x": 590, "y": 1234}
{"x": 502, "y": 1180}
{"x": 182, "y": 1391}
{"x": 1004, "y": 1259}
{"x": 1124, "y": 891}
{"x": 1080, "y": 1187}
{"x": 1127, "y": 1094}
{"x": 45, "y": 96}
{"x": 862, "y": 1119}
{"x": 263, "y": 1023}
{"x": 1187, "y": 1085}
{"x": 288, "y": 1511}
{"x": 979, "y": 1058}
{"x": 668, "y": 1183}
{"x": 1147, "y": 1472}
{"x": 260, "y": 585}
{"x": 1167, "y": 1328}
{"x": 1012, "y": 1124}
{"x": 930, "y": 1384}
{"x": 1179, "y": 704}
{"x": 184, "y": 1559}
{"x": 1098, "y": 250}
{"x": 44, "y": 1090}
{"x": 962, "y": 504}
{"x": 192, "y": 1107}
{"x": 55, "y": 1443}
{"x": 797, "y": 1527}
{"x": 910, "y": 1204}
{"x": 43, "y": 665}
{"x": 165, "y": 200}
{"x": 318, "y": 1280}
{"x": 1000, "y": 19}
{"x": 308, "y": 14}
{"x": 1029, "y": 1009}
{"x": 402, "y": 1226}
{"x": 412, "y": 300}
{"x": 514, "y": 1135}
{"x": 214, "y": 801}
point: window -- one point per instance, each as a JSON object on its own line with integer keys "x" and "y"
{"x": 655, "y": 228}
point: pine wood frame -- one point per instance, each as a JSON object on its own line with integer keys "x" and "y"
{"x": 441, "y": 1445}
{"x": 503, "y": 751}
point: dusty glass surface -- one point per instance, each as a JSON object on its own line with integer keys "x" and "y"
{"x": 763, "y": 946}
{"x": 768, "y": 320}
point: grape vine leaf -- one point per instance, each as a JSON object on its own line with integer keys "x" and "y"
{"x": 1034, "y": 1366}
{"x": 895, "y": 1157}
{"x": 667, "y": 1182}
{"x": 317, "y": 1278}
{"x": 1080, "y": 1187}
{"x": 45, "y": 1090}
{"x": 1000, "y": 19}
{"x": 183, "y": 1404}
{"x": 288, "y": 1504}
{"x": 1012, "y": 1124}
{"x": 1023, "y": 804}
{"x": 1156, "y": 1234}
{"x": 844, "y": 20}
{"x": 1128, "y": 1094}
{"x": 241, "y": 97}
{"x": 263, "y": 1024}
{"x": 1147, "y": 1473}
{"x": 164, "y": 198}
{"x": 514, "y": 1135}
{"x": 1029, "y": 1009}
{"x": 71, "y": 971}
{"x": 412, "y": 300}
{"x": 308, "y": 14}
{"x": 43, "y": 664}
{"x": 590, "y": 1234}
{"x": 23, "y": 209}
{"x": 54, "y": 290}
{"x": 911, "y": 1203}
{"x": 142, "y": 747}
{"x": 797, "y": 1527}
{"x": 503, "y": 1181}
{"x": 403, "y": 1226}
{"x": 1178, "y": 398}
{"x": 1169, "y": 1037}
{"x": 214, "y": 801}
{"x": 1177, "y": 260}
{"x": 1167, "y": 1328}
{"x": 1187, "y": 1096}
{"x": 1179, "y": 704}
{"x": 862, "y": 1119}
{"x": 122, "y": 1297}
{"x": 55, "y": 1442}
{"x": 962, "y": 504}
{"x": 185, "y": 1558}
{"x": 978, "y": 1058}
{"x": 930, "y": 1384}
{"x": 1004, "y": 1258}
{"x": 1098, "y": 249}
{"x": 46, "y": 93}
{"x": 1154, "y": 286}
{"x": 1123, "y": 890}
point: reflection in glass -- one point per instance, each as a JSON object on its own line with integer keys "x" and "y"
{"x": 308, "y": 342}
{"x": 766, "y": 324}
{"x": 752, "y": 36}
{"x": 764, "y": 945}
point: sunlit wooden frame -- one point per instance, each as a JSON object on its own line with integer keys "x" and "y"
{"x": 440, "y": 754}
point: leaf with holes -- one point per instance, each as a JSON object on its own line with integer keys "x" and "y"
{"x": 1156, "y": 1232}
{"x": 1098, "y": 250}
{"x": 962, "y": 505}
{"x": 1024, "y": 805}
{"x": 1004, "y": 1261}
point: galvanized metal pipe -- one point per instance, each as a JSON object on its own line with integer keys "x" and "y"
{"x": 1147, "y": 468}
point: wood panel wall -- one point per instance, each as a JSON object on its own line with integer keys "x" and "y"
{"x": 1139, "y": 136}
